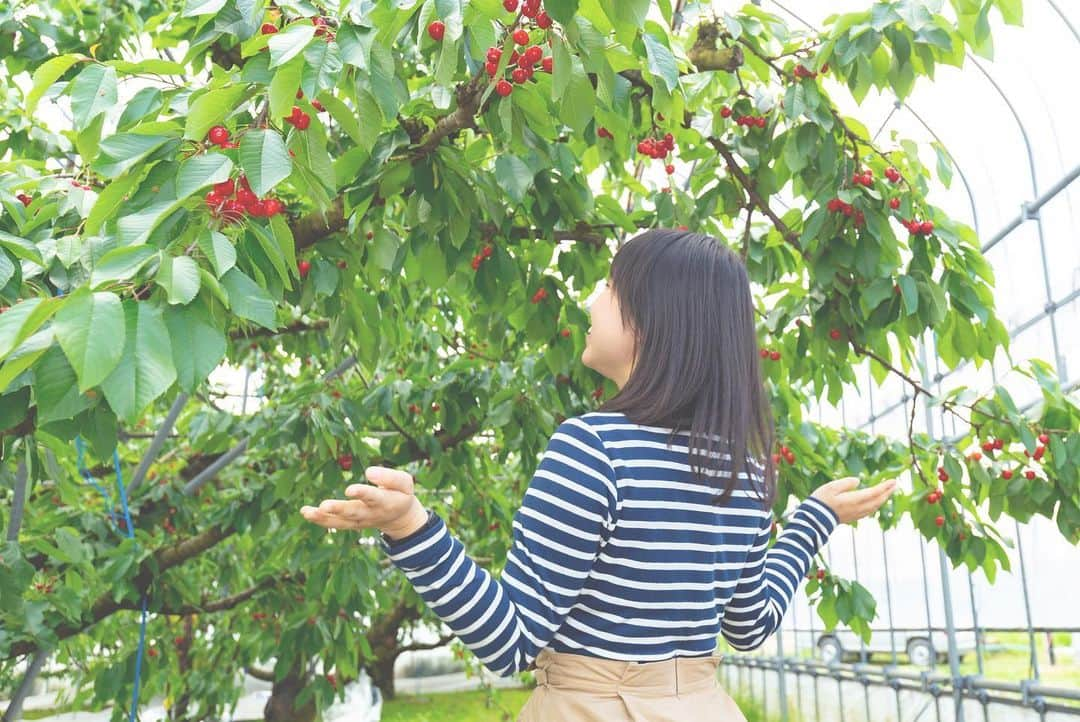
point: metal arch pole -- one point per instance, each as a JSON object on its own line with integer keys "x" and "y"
{"x": 978, "y": 641}
{"x": 1027, "y": 603}
{"x": 946, "y": 589}
{"x": 1065, "y": 20}
{"x": 1059, "y": 362}
{"x": 863, "y": 656}
{"x": 888, "y": 606}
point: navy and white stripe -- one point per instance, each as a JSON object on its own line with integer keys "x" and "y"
{"x": 618, "y": 553}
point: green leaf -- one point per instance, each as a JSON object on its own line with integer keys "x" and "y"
{"x": 288, "y": 43}
{"x": 218, "y": 250}
{"x": 21, "y": 248}
{"x": 144, "y": 102}
{"x": 661, "y": 61}
{"x": 46, "y": 74}
{"x": 179, "y": 276}
{"x": 198, "y": 345}
{"x": 264, "y": 159}
{"x": 283, "y": 87}
{"x": 118, "y": 153}
{"x": 90, "y": 329}
{"x": 322, "y": 66}
{"x": 92, "y": 93}
{"x": 193, "y": 8}
{"x": 200, "y": 171}
{"x": 120, "y": 263}
{"x": 211, "y": 108}
{"x": 513, "y": 176}
{"x": 109, "y": 201}
{"x": 55, "y": 389}
{"x": 23, "y": 319}
{"x": 146, "y": 369}
{"x": 910, "y": 293}
{"x": 562, "y": 11}
{"x": 579, "y": 102}
{"x": 7, "y": 269}
{"x": 248, "y": 300}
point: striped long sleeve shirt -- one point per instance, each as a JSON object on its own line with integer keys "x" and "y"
{"x": 617, "y": 553}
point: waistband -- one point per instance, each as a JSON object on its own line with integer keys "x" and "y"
{"x": 579, "y": 672}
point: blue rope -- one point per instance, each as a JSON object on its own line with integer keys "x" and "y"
{"x": 129, "y": 528}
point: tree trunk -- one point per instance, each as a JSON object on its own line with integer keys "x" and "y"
{"x": 281, "y": 707}
{"x": 382, "y": 674}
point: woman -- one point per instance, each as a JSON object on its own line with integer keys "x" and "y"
{"x": 637, "y": 541}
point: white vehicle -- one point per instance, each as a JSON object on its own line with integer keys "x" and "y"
{"x": 912, "y": 646}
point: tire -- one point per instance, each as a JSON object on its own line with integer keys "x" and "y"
{"x": 920, "y": 653}
{"x": 830, "y": 650}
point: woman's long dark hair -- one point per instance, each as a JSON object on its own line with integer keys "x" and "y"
{"x": 686, "y": 296}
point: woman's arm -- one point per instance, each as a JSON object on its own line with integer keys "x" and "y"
{"x": 566, "y": 513}
{"x": 772, "y": 574}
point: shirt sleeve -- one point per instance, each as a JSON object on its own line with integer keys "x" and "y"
{"x": 567, "y": 512}
{"x": 770, "y": 578}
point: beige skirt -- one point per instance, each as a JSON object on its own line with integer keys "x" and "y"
{"x": 580, "y": 688}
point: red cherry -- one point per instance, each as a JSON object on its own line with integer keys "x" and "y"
{"x": 999, "y": 443}
{"x": 518, "y": 76}
{"x": 303, "y": 122}
{"x": 218, "y": 134}
{"x": 487, "y": 251}
{"x": 152, "y": 652}
{"x": 764, "y": 353}
{"x": 503, "y": 88}
{"x": 820, "y": 574}
{"x": 669, "y": 169}
{"x": 345, "y": 462}
{"x": 1029, "y": 474}
{"x": 1039, "y": 451}
{"x": 521, "y": 36}
{"x": 534, "y": 53}
{"x": 1007, "y": 474}
{"x": 975, "y": 456}
{"x": 834, "y": 334}
{"x": 725, "y": 112}
{"x": 927, "y": 227}
{"x": 776, "y": 458}
{"x": 603, "y": 132}
{"x": 543, "y": 21}
{"x": 213, "y": 199}
{"x": 894, "y": 203}
{"x": 493, "y": 54}
{"x": 1044, "y": 439}
{"x": 272, "y": 206}
{"x": 24, "y": 199}
{"x": 785, "y": 450}
{"x": 304, "y": 267}
{"x": 269, "y": 28}
{"x": 510, "y": 5}
{"x": 775, "y": 355}
{"x": 492, "y": 67}
{"x": 939, "y": 520}
{"x": 436, "y": 29}
{"x": 225, "y": 188}
{"x": 369, "y": 235}
{"x": 565, "y": 333}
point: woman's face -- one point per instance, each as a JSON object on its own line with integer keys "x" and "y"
{"x": 609, "y": 347}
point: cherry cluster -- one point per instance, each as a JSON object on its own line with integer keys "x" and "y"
{"x": 838, "y": 206}
{"x": 230, "y": 200}
{"x": 523, "y": 63}
{"x": 917, "y": 228}
{"x": 219, "y": 136}
{"x": 658, "y": 148}
{"x": 481, "y": 257}
{"x": 786, "y": 454}
{"x": 774, "y": 355}
{"x": 299, "y": 119}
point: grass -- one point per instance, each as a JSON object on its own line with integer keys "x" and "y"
{"x": 501, "y": 705}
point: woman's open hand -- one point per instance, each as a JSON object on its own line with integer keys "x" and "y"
{"x": 850, "y": 503}
{"x": 388, "y": 506}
